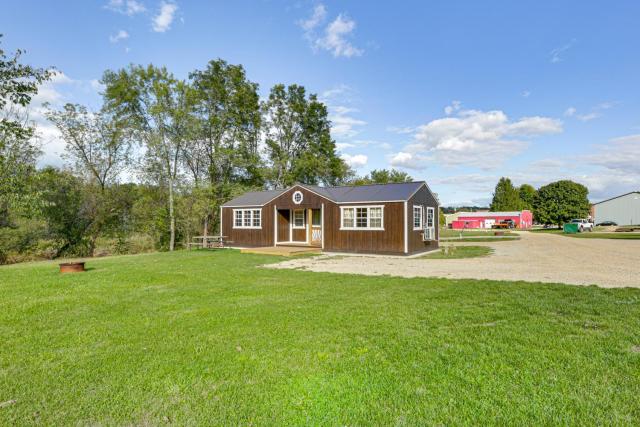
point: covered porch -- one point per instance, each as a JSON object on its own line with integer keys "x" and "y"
{"x": 299, "y": 227}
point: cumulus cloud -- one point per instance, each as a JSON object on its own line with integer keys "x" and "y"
{"x": 356, "y": 160}
{"x": 484, "y": 139}
{"x": 126, "y": 7}
{"x": 620, "y": 155}
{"x": 335, "y": 36}
{"x": 120, "y": 35}
{"x": 163, "y": 20}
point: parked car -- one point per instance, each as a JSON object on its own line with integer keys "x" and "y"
{"x": 607, "y": 224}
{"x": 507, "y": 223}
{"x": 583, "y": 224}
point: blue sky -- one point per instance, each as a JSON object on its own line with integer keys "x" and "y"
{"x": 457, "y": 93}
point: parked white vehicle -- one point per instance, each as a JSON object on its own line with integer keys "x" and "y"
{"x": 583, "y": 224}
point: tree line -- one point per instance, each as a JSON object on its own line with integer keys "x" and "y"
{"x": 152, "y": 166}
{"x": 555, "y": 203}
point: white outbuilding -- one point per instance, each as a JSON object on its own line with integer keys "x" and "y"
{"x": 623, "y": 210}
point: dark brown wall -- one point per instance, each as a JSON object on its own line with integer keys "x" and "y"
{"x": 389, "y": 241}
{"x": 425, "y": 198}
{"x": 249, "y": 237}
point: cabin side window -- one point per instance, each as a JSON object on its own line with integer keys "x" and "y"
{"x": 362, "y": 217}
{"x": 247, "y": 218}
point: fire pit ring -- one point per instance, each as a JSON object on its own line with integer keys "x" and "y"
{"x": 72, "y": 267}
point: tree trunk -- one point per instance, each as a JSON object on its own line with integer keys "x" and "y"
{"x": 205, "y": 228}
{"x": 172, "y": 218}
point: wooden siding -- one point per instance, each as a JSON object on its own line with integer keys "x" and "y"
{"x": 249, "y": 237}
{"x": 424, "y": 198}
{"x": 387, "y": 241}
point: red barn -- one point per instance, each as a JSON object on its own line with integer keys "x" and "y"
{"x": 523, "y": 219}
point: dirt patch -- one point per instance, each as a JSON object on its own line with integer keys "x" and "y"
{"x": 536, "y": 257}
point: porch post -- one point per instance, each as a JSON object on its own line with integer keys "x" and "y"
{"x": 275, "y": 225}
{"x": 322, "y": 224}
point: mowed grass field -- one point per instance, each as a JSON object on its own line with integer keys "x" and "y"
{"x": 210, "y": 338}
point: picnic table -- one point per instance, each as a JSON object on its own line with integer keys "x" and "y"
{"x": 209, "y": 242}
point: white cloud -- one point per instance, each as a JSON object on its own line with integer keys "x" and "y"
{"x": 526, "y": 93}
{"x": 450, "y": 109}
{"x": 341, "y": 146}
{"x": 402, "y": 130}
{"x": 342, "y": 123}
{"x": 337, "y": 100}
{"x": 569, "y": 112}
{"x": 335, "y": 37}
{"x": 126, "y": 7}
{"x": 120, "y": 35}
{"x": 621, "y": 155}
{"x": 484, "y": 139}
{"x": 587, "y": 117}
{"x": 558, "y": 53}
{"x": 408, "y": 161}
{"x": 355, "y": 161}
{"x": 163, "y": 20}
{"x": 318, "y": 17}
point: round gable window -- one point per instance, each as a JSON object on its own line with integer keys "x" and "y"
{"x": 297, "y": 197}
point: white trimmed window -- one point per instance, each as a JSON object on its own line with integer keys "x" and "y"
{"x": 417, "y": 217}
{"x": 362, "y": 217}
{"x": 247, "y": 218}
{"x": 430, "y": 217}
{"x": 298, "y": 218}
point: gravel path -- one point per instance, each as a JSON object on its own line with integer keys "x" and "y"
{"x": 536, "y": 257}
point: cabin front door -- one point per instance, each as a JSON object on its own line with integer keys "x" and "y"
{"x": 316, "y": 227}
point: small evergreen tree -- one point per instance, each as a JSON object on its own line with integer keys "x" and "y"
{"x": 505, "y": 197}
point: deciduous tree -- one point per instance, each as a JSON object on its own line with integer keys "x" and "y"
{"x": 560, "y": 202}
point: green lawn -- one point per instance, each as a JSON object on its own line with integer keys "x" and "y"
{"x": 458, "y": 252}
{"x": 210, "y": 338}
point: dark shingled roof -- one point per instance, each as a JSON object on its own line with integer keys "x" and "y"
{"x": 346, "y": 194}
{"x": 255, "y": 198}
{"x": 368, "y": 193}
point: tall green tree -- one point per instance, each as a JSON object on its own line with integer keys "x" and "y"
{"x": 224, "y": 151}
{"x": 18, "y": 148}
{"x": 505, "y": 197}
{"x": 96, "y": 144}
{"x": 382, "y": 176}
{"x": 298, "y": 139}
{"x": 160, "y": 108}
{"x": 527, "y": 196}
{"x": 560, "y": 202}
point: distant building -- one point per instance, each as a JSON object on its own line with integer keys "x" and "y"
{"x": 623, "y": 210}
{"x": 521, "y": 219}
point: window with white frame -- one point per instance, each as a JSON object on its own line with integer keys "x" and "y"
{"x": 298, "y": 218}
{"x": 362, "y": 217}
{"x": 247, "y": 218}
{"x": 417, "y": 217}
{"x": 430, "y": 217}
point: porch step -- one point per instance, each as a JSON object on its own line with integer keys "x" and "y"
{"x": 281, "y": 250}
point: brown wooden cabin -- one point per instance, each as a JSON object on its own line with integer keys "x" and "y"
{"x": 396, "y": 219}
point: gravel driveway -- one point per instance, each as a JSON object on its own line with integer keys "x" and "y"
{"x": 536, "y": 257}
